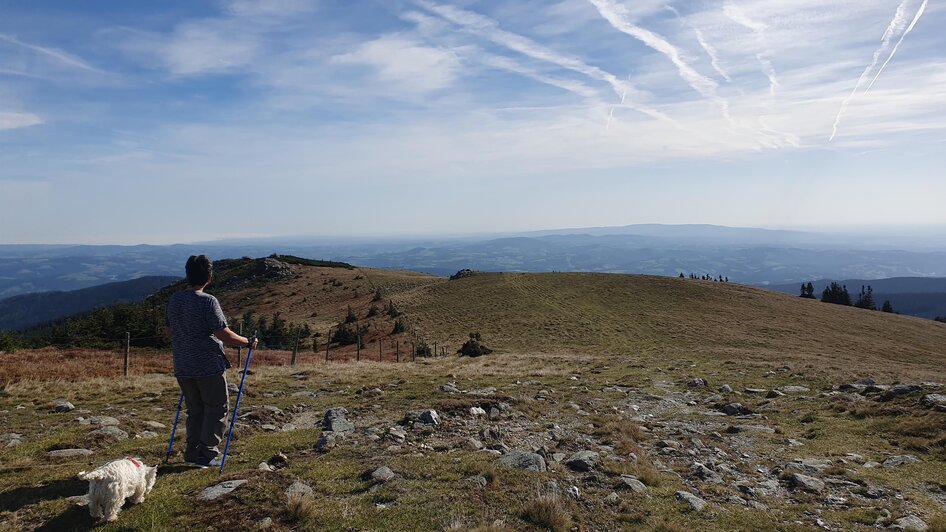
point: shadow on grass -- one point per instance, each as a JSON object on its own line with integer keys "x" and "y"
{"x": 172, "y": 469}
{"x": 75, "y": 518}
{"x": 17, "y": 498}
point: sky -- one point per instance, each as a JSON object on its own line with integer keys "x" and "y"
{"x": 182, "y": 121}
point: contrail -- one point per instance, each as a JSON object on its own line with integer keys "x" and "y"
{"x": 489, "y": 29}
{"x": 737, "y": 15}
{"x": 895, "y": 25}
{"x": 59, "y": 55}
{"x": 617, "y": 16}
{"x": 916, "y": 19}
{"x": 607, "y": 127}
{"x": 709, "y": 49}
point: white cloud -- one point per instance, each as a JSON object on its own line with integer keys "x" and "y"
{"x": 17, "y": 120}
{"x": 404, "y": 63}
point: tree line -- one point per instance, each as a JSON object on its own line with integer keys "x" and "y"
{"x": 838, "y": 294}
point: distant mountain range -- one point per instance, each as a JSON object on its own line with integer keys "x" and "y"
{"x": 745, "y": 255}
{"x": 914, "y": 296}
{"x": 26, "y": 310}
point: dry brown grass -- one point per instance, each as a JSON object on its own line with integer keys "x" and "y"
{"x": 622, "y": 434}
{"x": 548, "y": 512}
{"x": 300, "y": 507}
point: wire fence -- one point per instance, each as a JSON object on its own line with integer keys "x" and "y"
{"x": 125, "y": 359}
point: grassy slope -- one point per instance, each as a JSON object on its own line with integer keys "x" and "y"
{"x": 571, "y": 334}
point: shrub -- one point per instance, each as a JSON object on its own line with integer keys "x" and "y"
{"x": 300, "y": 507}
{"x": 372, "y": 312}
{"x": 350, "y": 317}
{"x": 377, "y": 296}
{"x": 473, "y": 347}
{"x": 346, "y": 334}
{"x": 392, "y": 310}
{"x": 423, "y": 350}
{"x": 399, "y": 327}
{"x": 8, "y": 342}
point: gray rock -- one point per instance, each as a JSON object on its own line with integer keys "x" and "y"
{"x": 631, "y": 484}
{"x": 110, "y": 432}
{"x": 298, "y": 489}
{"x": 583, "y": 461}
{"x": 430, "y": 417}
{"x": 897, "y": 461}
{"x": 574, "y": 492}
{"x": 68, "y": 453}
{"x": 494, "y": 413}
{"x": 806, "y": 483}
{"x": 558, "y": 457}
{"x": 697, "y": 383}
{"x": 264, "y": 524}
{"x": 871, "y": 389}
{"x": 808, "y": 465}
{"x": 263, "y": 466}
{"x": 382, "y": 474}
{"x": 335, "y": 420}
{"x": 725, "y": 389}
{"x": 612, "y": 499}
{"x": 450, "y": 387}
{"x": 793, "y": 389}
{"x": 705, "y": 474}
{"x": 398, "y": 434}
{"x": 219, "y": 490}
{"x": 473, "y": 444}
{"x": 934, "y": 399}
{"x": 523, "y": 460}
{"x": 902, "y": 389}
{"x": 774, "y": 394}
{"x": 910, "y": 522}
{"x": 736, "y": 429}
{"x": 63, "y": 406}
{"x": 484, "y": 392}
{"x": 696, "y": 503}
{"x": 10, "y": 437}
{"x": 103, "y": 421}
{"x": 755, "y": 390}
{"x": 327, "y": 441}
{"x": 146, "y": 434}
{"x": 478, "y": 481}
{"x": 735, "y": 409}
{"x": 154, "y": 425}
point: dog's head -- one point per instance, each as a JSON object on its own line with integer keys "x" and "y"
{"x": 151, "y": 474}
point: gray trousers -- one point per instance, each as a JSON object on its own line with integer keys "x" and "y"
{"x": 207, "y": 406}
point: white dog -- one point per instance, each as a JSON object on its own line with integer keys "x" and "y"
{"x": 115, "y": 481}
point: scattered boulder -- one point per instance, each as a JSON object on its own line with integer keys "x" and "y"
{"x": 335, "y": 420}
{"x": 450, "y": 387}
{"x": 62, "y": 405}
{"x": 101, "y": 421}
{"x": 219, "y": 490}
{"x": 934, "y": 400}
{"x": 901, "y": 389}
{"x": 473, "y": 444}
{"x": 793, "y": 389}
{"x": 774, "y": 394}
{"x": 382, "y": 474}
{"x": 110, "y": 432}
{"x": 146, "y": 434}
{"x": 583, "y": 461}
{"x": 697, "y": 383}
{"x": 806, "y": 483}
{"x": 523, "y": 460}
{"x": 461, "y": 274}
{"x": 476, "y": 411}
{"x": 429, "y": 417}
{"x": 278, "y": 461}
{"x": 298, "y": 489}
{"x": 68, "y": 453}
{"x": 478, "y": 481}
{"x": 696, "y": 503}
{"x": 725, "y": 389}
{"x": 155, "y": 425}
{"x": 631, "y": 484}
{"x": 327, "y": 441}
{"x": 900, "y": 460}
{"x": 755, "y": 390}
{"x": 910, "y": 522}
{"x": 265, "y": 523}
{"x": 735, "y": 409}
{"x": 736, "y": 429}
{"x": 706, "y": 474}
{"x": 613, "y": 499}
{"x": 398, "y": 434}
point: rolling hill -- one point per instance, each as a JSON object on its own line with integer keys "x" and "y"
{"x": 924, "y": 297}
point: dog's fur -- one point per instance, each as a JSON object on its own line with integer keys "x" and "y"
{"x": 115, "y": 481}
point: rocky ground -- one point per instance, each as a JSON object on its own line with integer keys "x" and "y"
{"x": 501, "y": 442}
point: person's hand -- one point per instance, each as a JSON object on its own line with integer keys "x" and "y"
{"x": 251, "y": 342}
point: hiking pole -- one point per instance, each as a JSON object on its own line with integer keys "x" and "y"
{"x": 177, "y": 416}
{"x": 236, "y": 407}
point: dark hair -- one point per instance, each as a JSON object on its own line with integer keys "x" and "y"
{"x": 199, "y": 269}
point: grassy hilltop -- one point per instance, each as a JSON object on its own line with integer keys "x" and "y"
{"x": 631, "y": 368}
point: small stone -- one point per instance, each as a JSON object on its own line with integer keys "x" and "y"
{"x": 897, "y": 461}
{"x": 632, "y": 484}
{"x": 476, "y": 411}
{"x": 103, "y": 421}
{"x": 146, "y": 434}
{"x": 450, "y": 387}
{"x": 154, "y": 425}
{"x": 68, "y": 453}
{"x": 327, "y": 441}
{"x": 583, "y": 461}
{"x": 902, "y": 389}
{"x": 63, "y": 406}
{"x": 706, "y": 474}
{"x": 736, "y": 429}
{"x": 933, "y": 399}
{"x": 473, "y": 444}
{"x": 775, "y": 394}
{"x": 558, "y": 457}
{"x": 574, "y": 492}
{"x": 697, "y": 383}
{"x": 298, "y": 489}
{"x": 804, "y": 482}
{"x": 397, "y": 434}
{"x": 494, "y": 413}
{"x": 735, "y": 409}
{"x": 523, "y": 460}
{"x": 755, "y": 390}
{"x": 265, "y": 523}
{"x": 725, "y": 389}
{"x": 111, "y": 432}
{"x": 478, "y": 481}
{"x": 429, "y": 417}
{"x": 219, "y": 490}
{"x": 278, "y": 461}
{"x": 793, "y": 389}
{"x": 910, "y": 522}
{"x": 382, "y": 474}
{"x": 263, "y": 466}
{"x": 613, "y": 499}
{"x": 335, "y": 420}
{"x": 696, "y": 503}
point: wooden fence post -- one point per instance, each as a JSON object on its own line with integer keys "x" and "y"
{"x": 397, "y": 351}
{"x": 436, "y": 351}
{"x": 328, "y": 342}
{"x": 127, "y": 350}
{"x": 295, "y": 349}
{"x": 358, "y": 346}
{"x": 380, "y": 356}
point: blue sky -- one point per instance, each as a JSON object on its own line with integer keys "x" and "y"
{"x": 158, "y": 122}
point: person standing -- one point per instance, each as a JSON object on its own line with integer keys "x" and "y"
{"x": 198, "y": 331}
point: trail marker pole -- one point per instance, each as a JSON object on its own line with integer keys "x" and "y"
{"x": 127, "y": 350}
